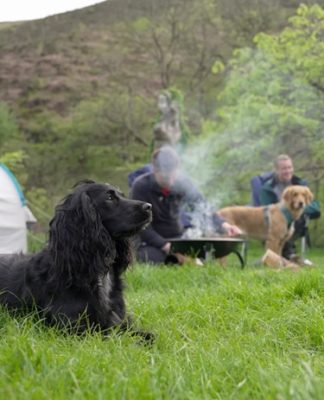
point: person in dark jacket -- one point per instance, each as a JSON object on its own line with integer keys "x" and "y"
{"x": 282, "y": 177}
{"x": 168, "y": 190}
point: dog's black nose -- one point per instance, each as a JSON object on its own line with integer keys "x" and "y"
{"x": 147, "y": 207}
{"x": 301, "y": 204}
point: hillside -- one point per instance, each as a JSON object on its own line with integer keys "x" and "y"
{"x": 83, "y": 85}
{"x": 54, "y": 63}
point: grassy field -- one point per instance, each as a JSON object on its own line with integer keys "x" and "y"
{"x": 222, "y": 333}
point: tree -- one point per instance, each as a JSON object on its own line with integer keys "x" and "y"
{"x": 104, "y": 138}
{"x": 177, "y": 46}
{"x": 272, "y": 102}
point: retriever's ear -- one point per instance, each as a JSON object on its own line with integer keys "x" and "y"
{"x": 287, "y": 194}
{"x": 308, "y": 195}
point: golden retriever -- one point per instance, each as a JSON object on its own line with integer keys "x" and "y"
{"x": 271, "y": 223}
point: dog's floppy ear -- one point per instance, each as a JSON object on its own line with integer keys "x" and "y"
{"x": 308, "y": 195}
{"x": 88, "y": 210}
{"x": 89, "y": 225}
{"x": 287, "y": 194}
{"x": 124, "y": 255}
{"x": 81, "y": 246}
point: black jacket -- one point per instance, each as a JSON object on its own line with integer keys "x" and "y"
{"x": 166, "y": 207}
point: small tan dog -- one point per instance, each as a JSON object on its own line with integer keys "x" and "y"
{"x": 273, "y": 223}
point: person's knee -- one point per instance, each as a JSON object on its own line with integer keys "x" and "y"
{"x": 289, "y": 249}
{"x": 300, "y": 226}
{"x": 150, "y": 254}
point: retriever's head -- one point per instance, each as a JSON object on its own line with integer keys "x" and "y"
{"x": 296, "y": 197}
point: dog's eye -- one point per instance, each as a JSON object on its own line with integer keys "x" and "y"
{"x": 111, "y": 195}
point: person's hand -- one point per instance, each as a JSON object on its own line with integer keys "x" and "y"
{"x": 231, "y": 230}
{"x": 166, "y": 248}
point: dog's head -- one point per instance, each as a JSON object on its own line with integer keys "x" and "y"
{"x": 120, "y": 216}
{"x": 95, "y": 205}
{"x": 91, "y": 227}
{"x": 297, "y": 197}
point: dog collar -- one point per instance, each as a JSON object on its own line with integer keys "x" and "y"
{"x": 287, "y": 215}
{"x": 266, "y": 216}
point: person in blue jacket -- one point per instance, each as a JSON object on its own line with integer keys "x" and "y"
{"x": 168, "y": 190}
{"x": 271, "y": 191}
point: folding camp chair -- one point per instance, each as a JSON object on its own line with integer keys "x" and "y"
{"x": 138, "y": 172}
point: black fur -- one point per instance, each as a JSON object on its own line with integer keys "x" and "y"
{"x": 75, "y": 281}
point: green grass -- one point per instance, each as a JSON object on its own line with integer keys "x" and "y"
{"x": 222, "y": 333}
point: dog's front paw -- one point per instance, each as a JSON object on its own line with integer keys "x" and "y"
{"x": 146, "y": 338}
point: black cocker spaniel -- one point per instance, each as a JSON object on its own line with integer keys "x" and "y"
{"x": 75, "y": 281}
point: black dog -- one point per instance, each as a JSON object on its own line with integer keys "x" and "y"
{"x": 75, "y": 281}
